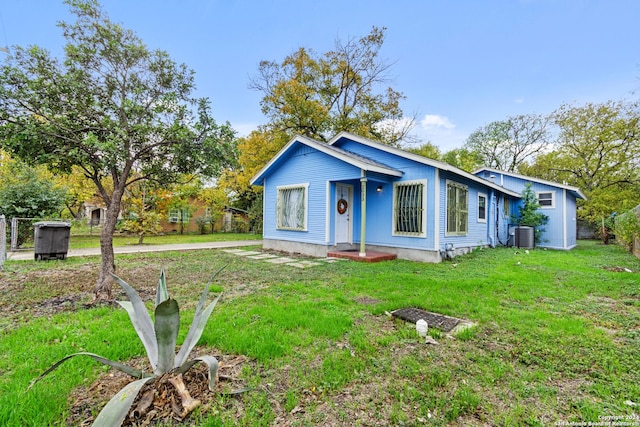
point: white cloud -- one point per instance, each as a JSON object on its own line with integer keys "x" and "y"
{"x": 432, "y": 122}
{"x": 397, "y": 125}
{"x": 519, "y": 100}
{"x": 440, "y": 131}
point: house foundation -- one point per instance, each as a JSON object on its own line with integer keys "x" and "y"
{"x": 321, "y": 251}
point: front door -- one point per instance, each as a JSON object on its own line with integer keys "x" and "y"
{"x": 343, "y": 213}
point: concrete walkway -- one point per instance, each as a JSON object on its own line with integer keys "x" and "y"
{"x": 283, "y": 260}
{"x": 131, "y": 249}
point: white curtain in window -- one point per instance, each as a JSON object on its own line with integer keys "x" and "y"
{"x": 291, "y": 208}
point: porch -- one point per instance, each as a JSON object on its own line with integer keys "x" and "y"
{"x": 369, "y": 256}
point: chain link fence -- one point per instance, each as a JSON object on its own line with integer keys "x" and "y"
{"x": 22, "y": 232}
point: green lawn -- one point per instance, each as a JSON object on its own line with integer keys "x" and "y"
{"x": 557, "y": 339}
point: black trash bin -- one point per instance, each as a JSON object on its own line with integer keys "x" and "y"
{"x": 51, "y": 240}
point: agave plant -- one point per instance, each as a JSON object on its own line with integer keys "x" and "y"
{"x": 159, "y": 339}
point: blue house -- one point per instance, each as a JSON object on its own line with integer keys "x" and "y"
{"x": 355, "y": 194}
{"x": 557, "y": 201}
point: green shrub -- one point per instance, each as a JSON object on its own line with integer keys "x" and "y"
{"x": 625, "y": 227}
{"x": 528, "y": 214}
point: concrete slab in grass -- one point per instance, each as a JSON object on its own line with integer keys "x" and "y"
{"x": 303, "y": 264}
{"x": 262, "y": 256}
{"x": 280, "y": 260}
{"x": 248, "y": 253}
{"x": 234, "y": 251}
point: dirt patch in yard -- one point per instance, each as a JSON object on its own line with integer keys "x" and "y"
{"x": 166, "y": 409}
{"x": 41, "y": 293}
{"x": 618, "y": 269}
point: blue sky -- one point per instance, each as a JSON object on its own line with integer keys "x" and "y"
{"x": 461, "y": 64}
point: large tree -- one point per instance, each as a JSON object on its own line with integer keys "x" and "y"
{"x": 463, "y": 158}
{"x": 342, "y": 90}
{"x": 116, "y": 109}
{"x": 319, "y": 95}
{"x": 506, "y": 144}
{"x": 598, "y": 150}
{"x": 427, "y": 149}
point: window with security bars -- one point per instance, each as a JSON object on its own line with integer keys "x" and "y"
{"x": 409, "y": 210}
{"x": 457, "y": 209}
{"x": 291, "y": 208}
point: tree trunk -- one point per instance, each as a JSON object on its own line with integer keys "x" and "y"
{"x": 102, "y": 289}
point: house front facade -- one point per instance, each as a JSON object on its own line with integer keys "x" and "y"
{"x": 356, "y": 194}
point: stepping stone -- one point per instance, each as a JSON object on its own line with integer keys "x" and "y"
{"x": 296, "y": 264}
{"x": 280, "y": 260}
{"x": 262, "y": 256}
{"x": 248, "y": 253}
{"x": 304, "y": 264}
{"x": 332, "y": 260}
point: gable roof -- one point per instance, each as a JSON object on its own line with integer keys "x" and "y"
{"x": 577, "y": 193}
{"x": 349, "y": 157}
{"x": 420, "y": 159}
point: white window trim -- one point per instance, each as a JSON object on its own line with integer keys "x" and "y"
{"x": 179, "y": 216}
{"x": 553, "y": 199}
{"x": 422, "y": 233}
{"x": 305, "y": 187}
{"x": 486, "y": 210}
{"x": 446, "y": 215}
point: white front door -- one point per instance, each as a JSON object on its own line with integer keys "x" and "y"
{"x": 343, "y": 211}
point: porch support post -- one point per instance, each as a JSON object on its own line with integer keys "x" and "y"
{"x": 363, "y": 221}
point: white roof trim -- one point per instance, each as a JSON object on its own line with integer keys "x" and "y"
{"x": 530, "y": 178}
{"x": 420, "y": 159}
{"x": 331, "y": 151}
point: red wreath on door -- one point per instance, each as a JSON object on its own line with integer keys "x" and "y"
{"x": 342, "y": 206}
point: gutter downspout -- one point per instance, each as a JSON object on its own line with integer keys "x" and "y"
{"x": 363, "y": 220}
{"x": 493, "y": 225}
{"x": 564, "y": 220}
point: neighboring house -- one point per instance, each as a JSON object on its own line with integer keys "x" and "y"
{"x": 356, "y": 194}
{"x": 229, "y": 220}
{"x": 95, "y": 213}
{"x": 557, "y": 201}
{"x": 187, "y": 219}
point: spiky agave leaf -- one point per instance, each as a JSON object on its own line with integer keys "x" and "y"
{"x": 198, "y": 324}
{"x": 115, "y": 411}
{"x": 136, "y": 373}
{"x": 141, "y": 321}
{"x": 167, "y": 324}
{"x": 161, "y": 291}
{"x": 210, "y": 361}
